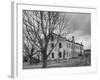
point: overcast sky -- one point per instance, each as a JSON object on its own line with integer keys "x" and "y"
{"x": 79, "y": 25}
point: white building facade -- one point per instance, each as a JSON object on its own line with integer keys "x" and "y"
{"x": 64, "y": 49}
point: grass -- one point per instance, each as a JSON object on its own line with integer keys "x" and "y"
{"x": 73, "y": 62}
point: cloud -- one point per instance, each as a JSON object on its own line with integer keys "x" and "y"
{"x": 79, "y": 25}
{"x": 86, "y": 40}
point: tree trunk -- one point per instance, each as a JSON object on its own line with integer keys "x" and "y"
{"x": 44, "y": 58}
{"x": 30, "y": 61}
{"x": 44, "y": 54}
{"x": 44, "y": 63}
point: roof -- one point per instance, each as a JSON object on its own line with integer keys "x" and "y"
{"x": 67, "y": 39}
{"x": 87, "y": 50}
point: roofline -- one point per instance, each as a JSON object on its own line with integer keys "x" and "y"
{"x": 67, "y": 39}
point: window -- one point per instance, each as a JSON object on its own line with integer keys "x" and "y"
{"x": 64, "y": 51}
{"x": 60, "y": 46}
{"x": 76, "y": 47}
{"x": 59, "y": 55}
{"x": 52, "y": 55}
{"x": 52, "y": 45}
{"x": 64, "y": 54}
{"x": 68, "y": 45}
{"x": 52, "y": 38}
{"x": 67, "y": 54}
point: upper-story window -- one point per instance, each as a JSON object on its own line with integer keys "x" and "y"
{"x": 69, "y": 45}
{"x": 60, "y": 46}
{"x": 52, "y": 45}
{"x": 52, "y": 38}
{"x": 67, "y": 54}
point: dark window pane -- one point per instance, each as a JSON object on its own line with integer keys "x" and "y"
{"x": 52, "y": 45}
{"x": 59, "y": 55}
{"x": 52, "y": 38}
{"x": 52, "y": 55}
{"x": 60, "y": 46}
{"x": 64, "y": 54}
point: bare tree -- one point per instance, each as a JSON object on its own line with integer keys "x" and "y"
{"x": 39, "y": 26}
{"x": 29, "y": 51}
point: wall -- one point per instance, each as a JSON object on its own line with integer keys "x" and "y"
{"x": 5, "y": 39}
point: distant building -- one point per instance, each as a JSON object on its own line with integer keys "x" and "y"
{"x": 87, "y": 51}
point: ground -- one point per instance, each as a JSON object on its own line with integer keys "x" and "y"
{"x": 73, "y": 62}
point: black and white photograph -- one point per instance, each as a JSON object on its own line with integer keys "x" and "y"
{"x": 54, "y": 39}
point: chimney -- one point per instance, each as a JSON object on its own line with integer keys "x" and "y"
{"x": 73, "y": 40}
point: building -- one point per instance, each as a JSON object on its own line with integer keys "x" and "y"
{"x": 87, "y": 52}
{"x": 65, "y": 48}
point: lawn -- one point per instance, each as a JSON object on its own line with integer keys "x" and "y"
{"x": 73, "y": 62}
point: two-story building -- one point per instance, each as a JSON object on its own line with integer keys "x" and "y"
{"x": 65, "y": 48}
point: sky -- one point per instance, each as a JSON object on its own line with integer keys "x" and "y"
{"x": 79, "y": 26}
